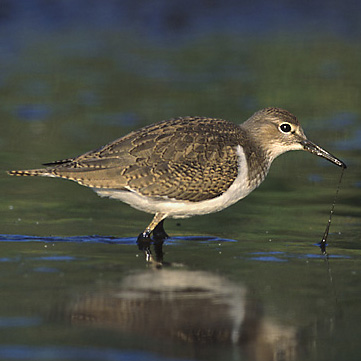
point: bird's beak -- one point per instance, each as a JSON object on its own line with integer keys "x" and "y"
{"x": 315, "y": 149}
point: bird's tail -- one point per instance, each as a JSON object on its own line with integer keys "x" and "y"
{"x": 30, "y": 172}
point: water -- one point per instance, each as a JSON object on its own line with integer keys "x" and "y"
{"x": 248, "y": 283}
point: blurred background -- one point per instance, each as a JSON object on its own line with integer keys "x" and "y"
{"x": 76, "y": 74}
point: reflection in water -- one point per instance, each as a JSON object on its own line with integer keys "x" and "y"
{"x": 191, "y": 308}
{"x": 156, "y": 258}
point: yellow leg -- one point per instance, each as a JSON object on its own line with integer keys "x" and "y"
{"x": 158, "y": 217}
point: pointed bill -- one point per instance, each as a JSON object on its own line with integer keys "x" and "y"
{"x": 315, "y": 149}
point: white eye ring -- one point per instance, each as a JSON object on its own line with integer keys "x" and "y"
{"x": 285, "y": 128}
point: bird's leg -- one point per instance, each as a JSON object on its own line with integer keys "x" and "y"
{"x": 159, "y": 235}
{"x": 144, "y": 239}
{"x": 155, "y": 225}
{"x": 159, "y": 232}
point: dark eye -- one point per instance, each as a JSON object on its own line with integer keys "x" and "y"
{"x": 285, "y": 128}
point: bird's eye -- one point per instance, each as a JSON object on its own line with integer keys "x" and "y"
{"x": 285, "y": 127}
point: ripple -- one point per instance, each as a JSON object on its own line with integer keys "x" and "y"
{"x": 6, "y": 322}
{"x": 105, "y": 239}
{"x": 277, "y": 256}
{"x": 200, "y": 239}
{"x": 74, "y": 239}
{"x": 20, "y": 352}
{"x": 268, "y": 259}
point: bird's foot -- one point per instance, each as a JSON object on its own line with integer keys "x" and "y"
{"x": 143, "y": 238}
{"x": 144, "y": 241}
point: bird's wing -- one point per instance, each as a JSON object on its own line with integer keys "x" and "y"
{"x": 188, "y": 158}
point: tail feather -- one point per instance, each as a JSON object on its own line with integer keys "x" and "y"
{"x": 30, "y": 172}
{"x": 59, "y": 162}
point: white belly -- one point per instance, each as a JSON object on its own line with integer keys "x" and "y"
{"x": 182, "y": 209}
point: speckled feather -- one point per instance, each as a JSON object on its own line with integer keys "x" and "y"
{"x": 186, "y": 166}
{"x": 190, "y": 158}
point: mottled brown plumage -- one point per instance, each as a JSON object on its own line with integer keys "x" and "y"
{"x": 186, "y": 166}
{"x": 190, "y": 158}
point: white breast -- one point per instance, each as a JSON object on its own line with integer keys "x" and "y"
{"x": 182, "y": 209}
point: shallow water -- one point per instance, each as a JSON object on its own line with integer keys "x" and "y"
{"x": 248, "y": 283}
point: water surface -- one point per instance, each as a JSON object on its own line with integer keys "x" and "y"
{"x": 248, "y": 283}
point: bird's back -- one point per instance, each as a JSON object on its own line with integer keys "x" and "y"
{"x": 189, "y": 158}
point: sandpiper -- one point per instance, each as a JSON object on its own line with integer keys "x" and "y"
{"x": 186, "y": 166}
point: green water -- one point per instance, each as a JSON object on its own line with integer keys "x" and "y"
{"x": 257, "y": 270}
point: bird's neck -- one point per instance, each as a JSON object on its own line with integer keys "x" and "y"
{"x": 258, "y": 167}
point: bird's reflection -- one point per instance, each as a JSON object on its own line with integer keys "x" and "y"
{"x": 191, "y": 308}
{"x": 145, "y": 246}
